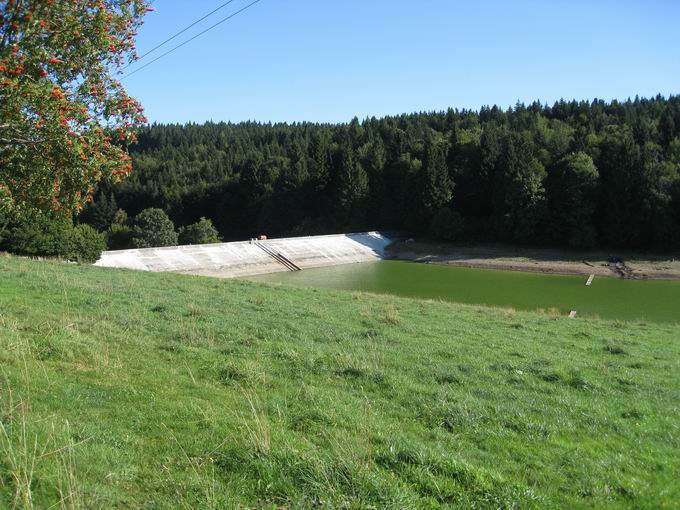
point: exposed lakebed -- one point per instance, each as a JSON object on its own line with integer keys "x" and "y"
{"x": 610, "y": 298}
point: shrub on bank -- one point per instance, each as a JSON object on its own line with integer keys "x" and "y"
{"x": 119, "y": 237}
{"x": 4, "y": 225}
{"x": 153, "y": 228}
{"x": 119, "y": 234}
{"x": 86, "y": 244}
{"x": 201, "y": 232}
{"x": 39, "y": 235}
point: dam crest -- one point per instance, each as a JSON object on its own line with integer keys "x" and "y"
{"x": 245, "y": 258}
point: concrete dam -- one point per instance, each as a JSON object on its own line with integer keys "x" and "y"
{"x": 245, "y": 258}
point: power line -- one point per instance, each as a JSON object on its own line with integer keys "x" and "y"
{"x": 191, "y": 39}
{"x": 179, "y": 33}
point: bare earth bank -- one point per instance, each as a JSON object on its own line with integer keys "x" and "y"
{"x": 541, "y": 260}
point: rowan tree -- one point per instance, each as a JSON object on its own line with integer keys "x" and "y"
{"x": 65, "y": 120}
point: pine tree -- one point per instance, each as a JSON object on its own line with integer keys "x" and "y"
{"x": 520, "y": 195}
{"x": 667, "y": 128}
{"x": 618, "y": 165}
{"x": 436, "y": 189}
{"x": 304, "y": 178}
{"x": 352, "y": 188}
{"x": 321, "y": 160}
{"x": 572, "y": 190}
{"x": 298, "y": 173}
{"x": 103, "y": 212}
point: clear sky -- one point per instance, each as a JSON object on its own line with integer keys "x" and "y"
{"x": 331, "y": 60}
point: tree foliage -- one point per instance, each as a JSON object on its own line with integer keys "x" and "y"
{"x": 86, "y": 244}
{"x": 40, "y": 235}
{"x": 569, "y": 174}
{"x": 152, "y": 228}
{"x": 46, "y": 236}
{"x": 201, "y": 232}
{"x": 65, "y": 121}
{"x": 435, "y": 187}
{"x": 352, "y": 188}
{"x": 119, "y": 235}
{"x": 519, "y": 190}
{"x": 572, "y": 188}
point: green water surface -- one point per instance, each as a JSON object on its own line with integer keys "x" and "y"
{"x": 611, "y": 298}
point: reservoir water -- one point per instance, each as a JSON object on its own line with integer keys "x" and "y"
{"x": 610, "y": 298}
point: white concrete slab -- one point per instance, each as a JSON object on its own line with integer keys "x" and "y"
{"x": 245, "y": 258}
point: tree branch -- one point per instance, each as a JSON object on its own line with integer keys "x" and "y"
{"x": 20, "y": 141}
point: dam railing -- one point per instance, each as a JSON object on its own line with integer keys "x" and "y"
{"x": 287, "y": 263}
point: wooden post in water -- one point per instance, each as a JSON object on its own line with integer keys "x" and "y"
{"x": 590, "y": 280}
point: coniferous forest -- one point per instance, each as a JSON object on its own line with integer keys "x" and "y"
{"x": 574, "y": 174}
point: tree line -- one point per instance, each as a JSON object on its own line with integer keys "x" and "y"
{"x": 574, "y": 174}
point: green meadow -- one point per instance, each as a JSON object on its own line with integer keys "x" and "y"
{"x": 123, "y": 389}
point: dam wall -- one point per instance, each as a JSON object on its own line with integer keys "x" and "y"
{"x": 244, "y": 258}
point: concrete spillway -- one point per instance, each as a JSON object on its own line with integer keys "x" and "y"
{"x": 252, "y": 257}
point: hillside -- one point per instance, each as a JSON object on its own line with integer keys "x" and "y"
{"x": 575, "y": 174}
{"x": 124, "y": 389}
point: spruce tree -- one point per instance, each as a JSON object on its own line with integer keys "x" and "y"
{"x": 619, "y": 171}
{"x": 436, "y": 189}
{"x": 520, "y": 195}
{"x": 352, "y": 189}
{"x": 572, "y": 190}
{"x": 321, "y": 160}
{"x": 102, "y": 213}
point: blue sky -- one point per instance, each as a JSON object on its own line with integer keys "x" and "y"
{"x": 331, "y": 60}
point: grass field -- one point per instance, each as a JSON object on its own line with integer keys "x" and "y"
{"x": 122, "y": 389}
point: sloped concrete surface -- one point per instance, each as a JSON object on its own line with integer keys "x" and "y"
{"x": 249, "y": 258}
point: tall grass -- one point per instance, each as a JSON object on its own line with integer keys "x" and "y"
{"x": 26, "y": 444}
{"x": 123, "y": 389}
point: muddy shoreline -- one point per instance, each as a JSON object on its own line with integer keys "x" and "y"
{"x": 584, "y": 268}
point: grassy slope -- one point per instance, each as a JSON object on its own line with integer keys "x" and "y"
{"x": 134, "y": 390}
